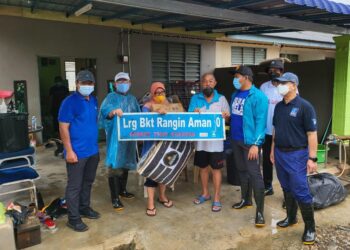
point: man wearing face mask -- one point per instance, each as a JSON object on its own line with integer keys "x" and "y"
{"x": 269, "y": 88}
{"x": 209, "y": 153}
{"x": 79, "y": 131}
{"x": 293, "y": 151}
{"x": 120, "y": 155}
{"x": 248, "y": 123}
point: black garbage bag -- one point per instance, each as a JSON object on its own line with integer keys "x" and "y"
{"x": 326, "y": 190}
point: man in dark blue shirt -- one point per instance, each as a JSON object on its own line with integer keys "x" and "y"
{"x": 79, "y": 132}
{"x": 293, "y": 151}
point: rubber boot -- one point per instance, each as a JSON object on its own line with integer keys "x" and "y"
{"x": 123, "y": 182}
{"x": 307, "y": 211}
{"x": 246, "y": 193}
{"x": 114, "y": 188}
{"x": 292, "y": 209}
{"x": 259, "y": 196}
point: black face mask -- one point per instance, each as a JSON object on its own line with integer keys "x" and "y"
{"x": 208, "y": 91}
{"x": 273, "y": 75}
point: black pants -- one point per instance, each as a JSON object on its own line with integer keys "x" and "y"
{"x": 267, "y": 164}
{"x": 249, "y": 170}
{"x": 81, "y": 175}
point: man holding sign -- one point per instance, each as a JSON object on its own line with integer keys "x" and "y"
{"x": 209, "y": 153}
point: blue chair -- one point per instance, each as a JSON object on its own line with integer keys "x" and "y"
{"x": 17, "y": 168}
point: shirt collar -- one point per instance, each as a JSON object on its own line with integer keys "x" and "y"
{"x": 293, "y": 102}
{"x": 214, "y": 99}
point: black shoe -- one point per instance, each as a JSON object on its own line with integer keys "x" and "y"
{"x": 117, "y": 204}
{"x": 126, "y": 195}
{"x": 114, "y": 188}
{"x": 259, "y": 197}
{"x": 90, "y": 213}
{"x": 77, "y": 226}
{"x": 309, "y": 235}
{"x": 269, "y": 191}
{"x": 292, "y": 209}
{"x": 242, "y": 204}
{"x": 259, "y": 219}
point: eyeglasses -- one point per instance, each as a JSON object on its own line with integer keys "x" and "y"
{"x": 158, "y": 93}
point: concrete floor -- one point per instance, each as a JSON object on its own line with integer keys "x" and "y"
{"x": 185, "y": 226}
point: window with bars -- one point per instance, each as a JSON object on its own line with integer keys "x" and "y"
{"x": 175, "y": 61}
{"x": 247, "y": 55}
{"x": 291, "y": 57}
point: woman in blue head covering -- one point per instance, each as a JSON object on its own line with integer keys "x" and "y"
{"x": 120, "y": 155}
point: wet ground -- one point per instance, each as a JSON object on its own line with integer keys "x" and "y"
{"x": 185, "y": 226}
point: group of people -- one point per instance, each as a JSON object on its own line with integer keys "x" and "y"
{"x": 273, "y": 119}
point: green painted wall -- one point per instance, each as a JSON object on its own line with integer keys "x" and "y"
{"x": 341, "y": 94}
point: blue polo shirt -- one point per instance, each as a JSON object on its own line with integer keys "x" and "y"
{"x": 81, "y": 114}
{"x": 292, "y": 121}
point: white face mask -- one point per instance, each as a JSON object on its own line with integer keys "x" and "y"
{"x": 283, "y": 89}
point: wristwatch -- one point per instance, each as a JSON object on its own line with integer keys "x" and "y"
{"x": 314, "y": 159}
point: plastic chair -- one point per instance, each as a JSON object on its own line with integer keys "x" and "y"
{"x": 18, "y": 168}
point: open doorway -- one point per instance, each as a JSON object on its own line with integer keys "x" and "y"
{"x": 53, "y": 89}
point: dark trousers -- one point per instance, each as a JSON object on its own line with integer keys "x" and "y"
{"x": 249, "y": 170}
{"x": 267, "y": 164}
{"x": 81, "y": 176}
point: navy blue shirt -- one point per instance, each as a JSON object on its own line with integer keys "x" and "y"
{"x": 81, "y": 114}
{"x": 237, "y": 115}
{"x": 292, "y": 121}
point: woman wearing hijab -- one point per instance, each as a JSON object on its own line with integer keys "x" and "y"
{"x": 157, "y": 97}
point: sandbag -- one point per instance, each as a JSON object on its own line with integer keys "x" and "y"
{"x": 326, "y": 189}
{"x": 165, "y": 161}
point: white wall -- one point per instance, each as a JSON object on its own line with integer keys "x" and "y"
{"x": 23, "y": 40}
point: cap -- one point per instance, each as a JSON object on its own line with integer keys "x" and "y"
{"x": 85, "y": 76}
{"x": 122, "y": 75}
{"x": 243, "y": 70}
{"x": 288, "y": 77}
{"x": 278, "y": 64}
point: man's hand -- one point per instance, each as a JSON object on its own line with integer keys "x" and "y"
{"x": 225, "y": 115}
{"x": 117, "y": 112}
{"x": 71, "y": 157}
{"x": 272, "y": 157}
{"x": 197, "y": 110}
{"x": 311, "y": 167}
{"x": 253, "y": 153}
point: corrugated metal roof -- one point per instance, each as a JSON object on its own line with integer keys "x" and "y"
{"x": 334, "y": 6}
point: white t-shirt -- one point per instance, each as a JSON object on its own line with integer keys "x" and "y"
{"x": 274, "y": 97}
{"x": 213, "y": 146}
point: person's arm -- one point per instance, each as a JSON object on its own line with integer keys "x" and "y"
{"x": 272, "y": 154}
{"x": 312, "y": 141}
{"x": 71, "y": 157}
{"x": 225, "y": 110}
{"x": 260, "y": 127}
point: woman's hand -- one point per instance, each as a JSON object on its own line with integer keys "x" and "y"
{"x": 117, "y": 112}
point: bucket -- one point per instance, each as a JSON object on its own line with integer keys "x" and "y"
{"x": 321, "y": 153}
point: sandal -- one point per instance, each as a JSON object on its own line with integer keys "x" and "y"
{"x": 216, "y": 206}
{"x": 164, "y": 203}
{"x": 201, "y": 199}
{"x": 151, "y": 212}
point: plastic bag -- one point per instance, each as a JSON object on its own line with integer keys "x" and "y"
{"x": 326, "y": 190}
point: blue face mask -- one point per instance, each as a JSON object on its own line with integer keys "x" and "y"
{"x": 236, "y": 83}
{"x": 123, "y": 87}
{"x": 86, "y": 90}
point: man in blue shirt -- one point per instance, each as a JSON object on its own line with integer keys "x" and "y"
{"x": 78, "y": 129}
{"x": 248, "y": 123}
{"x": 293, "y": 151}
